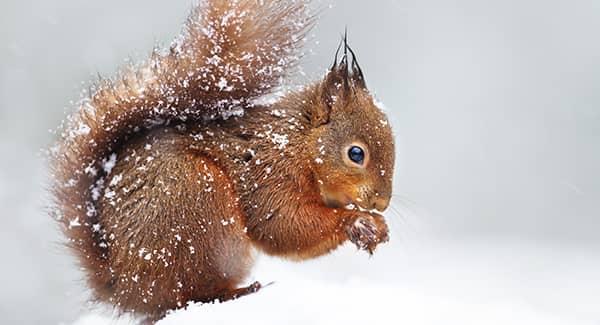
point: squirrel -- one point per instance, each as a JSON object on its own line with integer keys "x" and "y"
{"x": 167, "y": 178}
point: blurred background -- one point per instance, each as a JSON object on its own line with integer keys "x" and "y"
{"x": 496, "y": 111}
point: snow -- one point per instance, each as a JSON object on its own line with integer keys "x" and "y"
{"x": 109, "y": 163}
{"x": 281, "y": 140}
{"x": 81, "y": 129}
{"x": 445, "y": 282}
{"x": 223, "y": 86}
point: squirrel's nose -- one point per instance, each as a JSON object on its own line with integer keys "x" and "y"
{"x": 380, "y": 203}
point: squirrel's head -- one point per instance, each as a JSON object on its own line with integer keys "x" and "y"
{"x": 353, "y": 149}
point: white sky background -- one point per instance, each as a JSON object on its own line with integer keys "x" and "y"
{"x": 496, "y": 109}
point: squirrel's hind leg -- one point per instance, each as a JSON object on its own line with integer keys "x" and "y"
{"x": 174, "y": 228}
{"x": 239, "y": 292}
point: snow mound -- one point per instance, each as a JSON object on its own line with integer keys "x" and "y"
{"x": 480, "y": 282}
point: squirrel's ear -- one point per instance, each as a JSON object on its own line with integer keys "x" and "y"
{"x": 343, "y": 78}
{"x": 330, "y": 93}
{"x": 332, "y": 88}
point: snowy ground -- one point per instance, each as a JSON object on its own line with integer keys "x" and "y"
{"x": 474, "y": 282}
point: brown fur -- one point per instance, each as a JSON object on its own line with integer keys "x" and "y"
{"x": 163, "y": 194}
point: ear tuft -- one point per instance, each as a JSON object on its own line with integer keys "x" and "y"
{"x": 348, "y": 69}
{"x": 343, "y": 78}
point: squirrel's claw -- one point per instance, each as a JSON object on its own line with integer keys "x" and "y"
{"x": 240, "y": 292}
{"x": 366, "y": 233}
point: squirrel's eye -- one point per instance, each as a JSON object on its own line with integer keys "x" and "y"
{"x": 356, "y": 155}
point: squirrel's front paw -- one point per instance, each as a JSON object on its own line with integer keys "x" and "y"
{"x": 367, "y": 231}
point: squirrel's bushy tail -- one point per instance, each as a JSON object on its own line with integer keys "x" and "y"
{"x": 229, "y": 53}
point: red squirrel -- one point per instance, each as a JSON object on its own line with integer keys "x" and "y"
{"x": 168, "y": 176}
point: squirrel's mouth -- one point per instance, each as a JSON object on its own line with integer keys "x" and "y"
{"x": 357, "y": 199}
{"x": 357, "y": 207}
{"x": 341, "y": 200}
